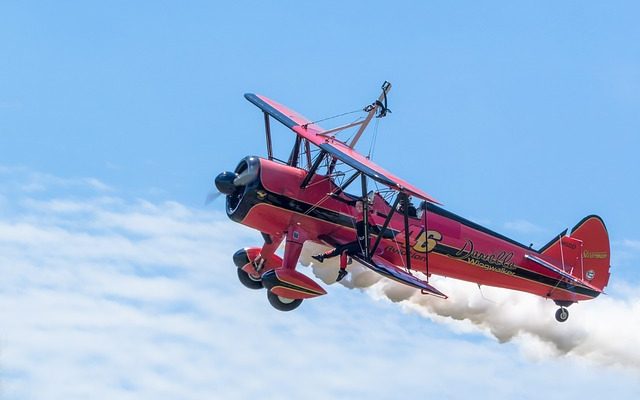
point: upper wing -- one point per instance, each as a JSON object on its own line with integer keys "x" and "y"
{"x": 313, "y": 133}
{"x": 357, "y": 161}
{"x": 283, "y": 114}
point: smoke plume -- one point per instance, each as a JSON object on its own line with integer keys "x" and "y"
{"x": 605, "y": 331}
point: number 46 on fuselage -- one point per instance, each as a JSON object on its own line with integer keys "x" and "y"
{"x": 305, "y": 199}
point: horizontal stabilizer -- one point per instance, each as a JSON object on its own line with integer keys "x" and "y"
{"x": 390, "y": 271}
{"x": 561, "y": 272}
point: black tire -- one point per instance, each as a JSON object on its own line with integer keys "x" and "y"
{"x": 281, "y": 303}
{"x": 240, "y": 258}
{"x": 562, "y": 314}
{"x": 248, "y": 281}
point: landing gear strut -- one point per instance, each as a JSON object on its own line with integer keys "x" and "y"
{"x": 261, "y": 268}
{"x": 240, "y": 259}
{"x": 562, "y": 314}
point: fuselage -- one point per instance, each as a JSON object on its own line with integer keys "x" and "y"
{"x": 440, "y": 242}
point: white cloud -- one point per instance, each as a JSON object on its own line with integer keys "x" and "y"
{"x": 631, "y": 244}
{"x": 107, "y": 298}
{"x": 603, "y": 331}
{"x": 30, "y": 181}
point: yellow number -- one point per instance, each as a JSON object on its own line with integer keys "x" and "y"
{"x": 426, "y": 242}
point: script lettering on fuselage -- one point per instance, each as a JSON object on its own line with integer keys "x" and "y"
{"x": 501, "y": 261}
{"x": 403, "y": 253}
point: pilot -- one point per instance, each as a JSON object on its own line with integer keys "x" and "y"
{"x": 405, "y": 203}
{"x": 355, "y": 247}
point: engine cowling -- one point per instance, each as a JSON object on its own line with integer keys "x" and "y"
{"x": 240, "y": 186}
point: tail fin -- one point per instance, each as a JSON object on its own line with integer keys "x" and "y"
{"x": 585, "y": 253}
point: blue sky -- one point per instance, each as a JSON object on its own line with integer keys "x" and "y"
{"x": 115, "y": 118}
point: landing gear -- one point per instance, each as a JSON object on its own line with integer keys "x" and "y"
{"x": 261, "y": 268}
{"x": 249, "y": 281}
{"x": 240, "y": 259}
{"x": 562, "y": 314}
{"x": 282, "y": 303}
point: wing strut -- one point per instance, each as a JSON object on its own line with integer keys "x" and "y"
{"x": 385, "y": 225}
{"x": 426, "y": 233}
{"x": 365, "y": 217}
{"x": 407, "y": 248}
{"x": 295, "y": 152}
{"x": 267, "y": 131}
{"x": 313, "y": 170}
{"x": 350, "y": 180}
{"x": 404, "y": 198}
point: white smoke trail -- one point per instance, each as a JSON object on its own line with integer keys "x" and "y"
{"x": 605, "y": 331}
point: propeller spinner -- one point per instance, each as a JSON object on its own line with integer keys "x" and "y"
{"x": 225, "y": 182}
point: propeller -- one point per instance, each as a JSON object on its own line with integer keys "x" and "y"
{"x": 228, "y": 183}
{"x": 211, "y": 197}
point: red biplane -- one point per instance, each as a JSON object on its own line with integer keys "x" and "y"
{"x": 305, "y": 198}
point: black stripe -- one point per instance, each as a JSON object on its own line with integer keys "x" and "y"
{"x": 324, "y": 214}
{"x": 552, "y": 241}
{"x": 583, "y": 220}
{"x": 270, "y": 280}
{"x": 448, "y": 214}
{"x": 526, "y": 274}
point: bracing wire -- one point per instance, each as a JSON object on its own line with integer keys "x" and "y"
{"x": 328, "y": 118}
{"x": 372, "y": 145}
{"x": 328, "y": 195}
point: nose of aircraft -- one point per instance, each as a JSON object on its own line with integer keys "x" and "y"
{"x": 224, "y": 182}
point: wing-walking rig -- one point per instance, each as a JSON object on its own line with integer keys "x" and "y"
{"x": 314, "y": 196}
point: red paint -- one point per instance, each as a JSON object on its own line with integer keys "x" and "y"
{"x": 446, "y": 245}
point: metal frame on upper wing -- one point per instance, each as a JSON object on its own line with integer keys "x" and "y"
{"x": 337, "y": 150}
{"x": 334, "y": 149}
{"x": 330, "y": 145}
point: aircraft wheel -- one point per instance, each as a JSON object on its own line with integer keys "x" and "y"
{"x": 562, "y": 314}
{"x": 240, "y": 258}
{"x": 282, "y": 303}
{"x": 249, "y": 281}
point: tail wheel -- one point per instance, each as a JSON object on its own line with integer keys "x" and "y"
{"x": 283, "y": 303}
{"x": 249, "y": 281}
{"x": 562, "y": 314}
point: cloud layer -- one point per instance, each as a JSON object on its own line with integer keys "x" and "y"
{"x": 103, "y": 297}
{"x": 604, "y": 331}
